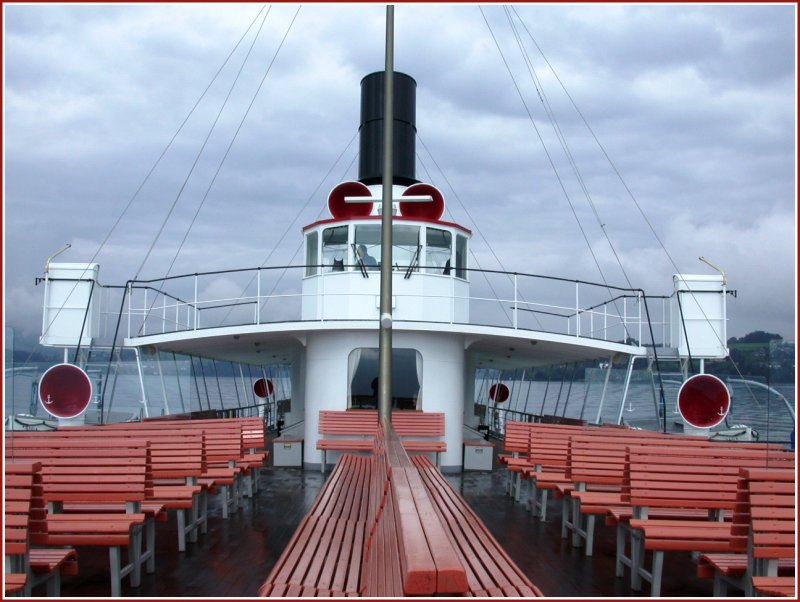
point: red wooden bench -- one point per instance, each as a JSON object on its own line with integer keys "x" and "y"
{"x": 694, "y": 478}
{"x": 88, "y": 472}
{"x": 762, "y": 533}
{"x": 528, "y": 466}
{"x": 596, "y": 468}
{"x": 325, "y": 553}
{"x": 515, "y": 446}
{"x": 490, "y": 571}
{"x": 410, "y": 530}
{"x": 775, "y": 586}
{"x": 230, "y": 469}
{"x": 30, "y": 566}
{"x": 177, "y": 461}
{"x": 338, "y": 424}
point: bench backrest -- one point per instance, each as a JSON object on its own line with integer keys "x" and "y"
{"x": 516, "y": 437}
{"x": 767, "y": 502}
{"x": 600, "y": 459}
{"x": 87, "y": 469}
{"x": 173, "y": 455}
{"x": 365, "y": 423}
{"x": 691, "y": 477}
{"x": 18, "y": 484}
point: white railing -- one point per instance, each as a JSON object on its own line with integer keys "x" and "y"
{"x": 509, "y": 300}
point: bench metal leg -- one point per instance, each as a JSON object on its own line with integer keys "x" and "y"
{"x": 543, "y": 506}
{"x": 324, "y": 461}
{"x": 577, "y": 520}
{"x": 150, "y": 545}
{"x": 620, "y": 550}
{"x": 180, "y": 516}
{"x": 658, "y": 566}
{"x": 637, "y": 552}
{"x": 135, "y": 556}
{"x": 203, "y": 512}
{"x": 54, "y": 584}
{"x": 114, "y": 556}
{"x": 566, "y": 525}
{"x": 590, "y": 534}
{"x": 225, "y": 497}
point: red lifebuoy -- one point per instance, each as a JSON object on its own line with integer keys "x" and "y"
{"x": 65, "y": 391}
{"x": 263, "y": 388}
{"x": 703, "y": 401}
{"x": 499, "y": 393}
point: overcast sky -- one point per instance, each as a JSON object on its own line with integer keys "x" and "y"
{"x": 694, "y": 104}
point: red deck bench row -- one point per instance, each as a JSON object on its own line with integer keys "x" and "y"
{"x": 413, "y": 535}
{"x": 337, "y": 424}
{"x": 690, "y": 478}
{"x": 763, "y": 531}
{"x": 234, "y": 453}
{"x": 27, "y": 567}
{"x": 99, "y": 471}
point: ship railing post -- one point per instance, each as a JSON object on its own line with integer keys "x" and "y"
{"x": 321, "y": 296}
{"x": 130, "y": 306}
{"x": 515, "y": 300}
{"x": 196, "y": 316}
{"x": 591, "y": 323}
{"x": 145, "y": 313}
{"x": 577, "y": 312}
{"x": 177, "y": 315}
{"x": 164, "y": 315}
{"x": 639, "y": 300}
{"x": 258, "y": 295}
{"x": 452, "y": 298}
{"x": 605, "y": 322}
{"x": 625, "y": 320}
{"x": 141, "y": 383}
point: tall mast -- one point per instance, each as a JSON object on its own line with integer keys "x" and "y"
{"x": 385, "y": 343}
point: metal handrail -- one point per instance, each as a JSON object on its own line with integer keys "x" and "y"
{"x": 160, "y": 310}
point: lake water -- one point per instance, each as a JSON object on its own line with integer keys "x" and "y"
{"x": 212, "y": 386}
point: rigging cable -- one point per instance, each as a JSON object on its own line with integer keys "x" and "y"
{"x": 319, "y": 214}
{"x": 629, "y": 193}
{"x": 199, "y": 153}
{"x": 565, "y": 146}
{"x": 476, "y": 227}
{"x": 153, "y": 168}
{"x": 547, "y": 153}
{"x": 233, "y": 140}
{"x": 296, "y": 217}
{"x": 136, "y": 194}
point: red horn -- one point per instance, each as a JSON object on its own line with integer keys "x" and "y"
{"x": 703, "y": 401}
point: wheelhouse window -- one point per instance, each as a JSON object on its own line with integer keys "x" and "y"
{"x": 334, "y": 249}
{"x": 368, "y": 236}
{"x": 461, "y": 257}
{"x": 362, "y": 371}
{"x": 312, "y": 254}
{"x": 438, "y": 251}
{"x": 405, "y": 246}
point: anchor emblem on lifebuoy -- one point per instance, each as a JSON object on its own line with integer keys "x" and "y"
{"x": 49, "y": 400}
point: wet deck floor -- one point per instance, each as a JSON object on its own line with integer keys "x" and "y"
{"x": 235, "y": 556}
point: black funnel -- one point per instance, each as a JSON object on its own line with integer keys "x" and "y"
{"x": 370, "y": 154}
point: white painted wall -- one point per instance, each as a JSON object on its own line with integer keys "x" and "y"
{"x": 442, "y": 382}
